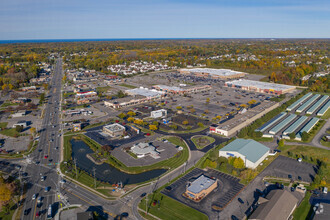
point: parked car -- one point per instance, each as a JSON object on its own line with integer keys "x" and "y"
{"x": 143, "y": 194}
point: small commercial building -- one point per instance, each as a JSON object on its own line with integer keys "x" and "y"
{"x": 144, "y": 149}
{"x": 19, "y": 114}
{"x": 200, "y": 187}
{"x": 161, "y": 113}
{"x": 77, "y": 126}
{"x": 114, "y": 130}
{"x": 250, "y": 151}
{"x": 277, "y": 205}
{"x": 262, "y": 87}
{"x": 20, "y": 123}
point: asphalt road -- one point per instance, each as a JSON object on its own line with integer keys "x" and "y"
{"x": 49, "y": 145}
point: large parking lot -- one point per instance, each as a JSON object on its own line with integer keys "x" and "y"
{"x": 228, "y": 188}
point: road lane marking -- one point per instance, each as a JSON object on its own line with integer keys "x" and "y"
{"x": 112, "y": 214}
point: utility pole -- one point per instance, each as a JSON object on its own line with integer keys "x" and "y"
{"x": 75, "y": 164}
{"x": 94, "y": 169}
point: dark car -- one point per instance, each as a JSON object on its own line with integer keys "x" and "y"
{"x": 26, "y": 211}
{"x": 240, "y": 200}
{"x": 124, "y": 214}
{"x": 143, "y": 194}
{"x": 168, "y": 188}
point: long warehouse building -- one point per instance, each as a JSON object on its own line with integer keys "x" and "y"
{"x": 282, "y": 124}
{"x": 324, "y": 109}
{"x": 262, "y": 87}
{"x": 295, "y": 125}
{"x": 308, "y": 127}
{"x": 213, "y": 73}
{"x": 307, "y": 103}
{"x": 271, "y": 122}
{"x": 312, "y": 109}
{"x": 299, "y": 101}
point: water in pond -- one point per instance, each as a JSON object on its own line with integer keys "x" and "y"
{"x": 105, "y": 172}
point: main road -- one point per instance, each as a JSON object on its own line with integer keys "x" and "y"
{"x": 46, "y": 158}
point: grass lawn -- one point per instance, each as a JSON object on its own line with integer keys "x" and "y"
{"x": 169, "y": 208}
{"x": 9, "y": 215}
{"x": 201, "y": 141}
{"x": 6, "y": 104}
{"x": 128, "y": 86}
{"x": 67, "y": 94}
{"x": 304, "y": 209}
{"x": 102, "y": 89}
{"x": 186, "y": 131}
{"x": 11, "y": 132}
{"x": 3, "y": 125}
{"x": 263, "y": 139}
{"x": 325, "y": 143}
{"x": 132, "y": 154}
{"x": 315, "y": 130}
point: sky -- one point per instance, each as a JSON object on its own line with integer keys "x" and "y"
{"x": 102, "y": 19}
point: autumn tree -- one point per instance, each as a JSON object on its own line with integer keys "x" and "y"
{"x": 122, "y": 115}
{"x": 153, "y": 127}
{"x": 33, "y": 130}
{"x": 238, "y": 163}
{"x": 131, "y": 113}
{"x": 185, "y": 122}
{"x": 5, "y": 193}
{"x": 130, "y": 119}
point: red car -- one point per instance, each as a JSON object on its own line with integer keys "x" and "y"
{"x": 46, "y": 156}
{"x": 37, "y": 214}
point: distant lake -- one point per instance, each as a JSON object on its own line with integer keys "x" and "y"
{"x": 105, "y": 172}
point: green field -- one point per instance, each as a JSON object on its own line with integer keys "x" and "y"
{"x": 202, "y": 141}
{"x": 169, "y": 208}
{"x": 11, "y": 132}
{"x": 127, "y": 86}
{"x": 3, "y": 125}
{"x": 103, "y": 89}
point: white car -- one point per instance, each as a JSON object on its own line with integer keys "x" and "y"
{"x": 63, "y": 181}
{"x": 43, "y": 178}
{"x": 34, "y": 196}
{"x": 299, "y": 160}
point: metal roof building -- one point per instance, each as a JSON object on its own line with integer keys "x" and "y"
{"x": 295, "y": 125}
{"x": 200, "y": 187}
{"x": 250, "y": 151}
{"x": 271, "y": 122}
{"x": 144, "y": 92}
{"x": 299, "y": 101}
{"x": 282, "y": 124}
{"x": 324, "y": 109}
{"x": 306, "y": 104}
{"x": 312, "y": 109}
{"x": 308, "y": 127}
{"x": 257, "y": 86}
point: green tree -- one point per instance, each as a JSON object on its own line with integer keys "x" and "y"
{"x": 200, "y": 124}
{"x": 19, "y": 128}
{"x": 121, "y": 94}
{"x": 304, "y": 136}
{"x": 281, "y": 143}
{"x": 292, "y": 135}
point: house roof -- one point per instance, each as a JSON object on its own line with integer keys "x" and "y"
{"x": 279, "y": 206}
{"x": 251, "y": 149}
{"x": 201, "y": 183}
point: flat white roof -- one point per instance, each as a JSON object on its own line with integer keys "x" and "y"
{"x": 114, "y": 127}
{"x": 144, "y": 92}
{"x": 174, "y": 88}
{"x": 260, "y": 85}
{"x": 143, "y": 149}
{"x": 218, "y": 72}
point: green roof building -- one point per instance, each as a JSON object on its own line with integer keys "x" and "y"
{"x": 250, "y": 151}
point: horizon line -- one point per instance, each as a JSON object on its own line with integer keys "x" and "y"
{"x": 141, "y": 39}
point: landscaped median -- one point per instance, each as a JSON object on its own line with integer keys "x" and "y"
{"x": 202, "y": 141}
